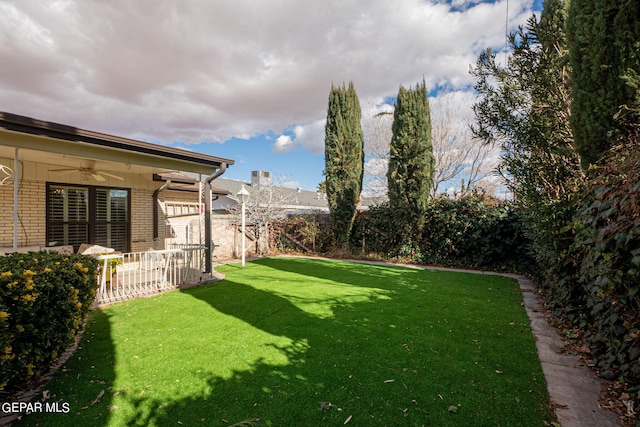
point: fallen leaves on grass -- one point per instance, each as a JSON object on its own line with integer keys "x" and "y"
{"x": 247, "y": 422}
{"x": 99, "y": 397}
{"x": 325, "y": 406}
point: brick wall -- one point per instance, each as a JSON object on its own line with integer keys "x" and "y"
{"x": 31, "y": 214}
{"x": 142, "y": 222}
{"x": 32, "y": 206}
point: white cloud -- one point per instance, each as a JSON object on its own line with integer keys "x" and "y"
{"x": 311, "y": 136}
{"x": 376, "y": 167}
{"x": 283, "y": 144}
{"x": 201, "y": 70}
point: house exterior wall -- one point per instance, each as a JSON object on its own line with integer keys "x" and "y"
{"x": 142, "y": 221}
{"x": 31, "y": 214}
{"x": 32, "y": 205}
{"x": 185, "y": 229}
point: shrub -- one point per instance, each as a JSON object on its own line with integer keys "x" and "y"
{"x": 376, "y": 227}
{"x": 548, "y": 228}
{"x": 463, "y": 233}
{"x": 467, "y": 233}
{"x": 606, "y": 250}
{"x": 44, "y": 298}
{"x": 309, "y": 232}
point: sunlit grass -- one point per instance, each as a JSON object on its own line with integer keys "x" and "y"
{"x": 310, "y": 342}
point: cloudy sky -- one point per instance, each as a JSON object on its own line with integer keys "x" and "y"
{"x": 247, "y": 80}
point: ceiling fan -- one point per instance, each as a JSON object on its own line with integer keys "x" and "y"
{"x": 88, "y": 171}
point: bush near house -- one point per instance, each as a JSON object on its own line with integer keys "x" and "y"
{"x": 44, "y": 298}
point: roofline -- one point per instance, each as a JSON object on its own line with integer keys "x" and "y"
{"x": 28, "y": 125}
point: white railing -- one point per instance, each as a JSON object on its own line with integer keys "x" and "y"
{"x": 130, "y": 275}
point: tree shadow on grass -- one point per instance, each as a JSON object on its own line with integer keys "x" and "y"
{"x": 379, "y": 360}
{"x": 330, "y": 370}
{"x": 85, "y": 388}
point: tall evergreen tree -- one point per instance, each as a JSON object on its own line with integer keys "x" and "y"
{"x": 604, "y": 42}
{"x": 411, "y": 161}
{"x": 344, "y": 159}
{"x": 525, "y": 107}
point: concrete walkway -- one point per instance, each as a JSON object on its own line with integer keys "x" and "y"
{"x": 573, "y": 388}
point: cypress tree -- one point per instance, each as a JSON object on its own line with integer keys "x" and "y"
{"x": 603, "y": 42}
{"x": 411, "y": 161}
{"x": 344, "y": 159}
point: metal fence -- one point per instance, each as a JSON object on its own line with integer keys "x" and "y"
{"x": 130, "y": 275}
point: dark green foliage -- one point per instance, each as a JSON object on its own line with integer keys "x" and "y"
{"x": 606, "y": 255}
{"x": 457, "y": 233}
{"x": 344, "y": 159}
{"x": 377, "y": 227}
{"x": 604, "y": 43}
{"x": 411, "y": 161}
{"x": 44, "y": 298}
{"x": 466, "y": 233}
{"x": 628, "y": 118}
{"x": 556, "y": 266}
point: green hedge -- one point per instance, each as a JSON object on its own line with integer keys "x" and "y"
{"x": 44, "y": 298}
{"x": 468, "y": 233}
{"x": 606, "y": 257}
{"x": 464, "y": 233}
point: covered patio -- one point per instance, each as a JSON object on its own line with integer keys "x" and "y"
{"x": 62, "y": 186}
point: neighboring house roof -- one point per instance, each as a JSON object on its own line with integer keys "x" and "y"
{"x": 368, "y": 202}
{"x": 72, "y": 141}
{"x": 295, "y": 199}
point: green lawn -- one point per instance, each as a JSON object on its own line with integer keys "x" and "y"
{"x": 301, "y": 342}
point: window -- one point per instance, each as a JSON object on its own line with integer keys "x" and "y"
{"x": 88, "y": 214}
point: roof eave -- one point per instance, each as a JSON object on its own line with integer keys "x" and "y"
{"x": 74, "y": 137}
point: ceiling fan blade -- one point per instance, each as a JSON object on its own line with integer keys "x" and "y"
{"x": 112, "y": 175}
{"x": 63, "y": 171}
{"x": 97, "y": 176}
